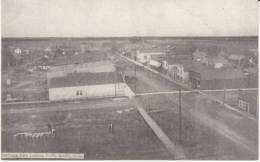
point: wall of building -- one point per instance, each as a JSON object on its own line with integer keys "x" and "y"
{"x": 90, "y": 91}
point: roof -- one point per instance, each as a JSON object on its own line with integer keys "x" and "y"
{"x": 178, "y": 60}
{"x": 199, "y": 53}
{"x": 83, "y": 79}
{"x": 99, "y": 66}
{"x": 251, "y": 70}
{"x": 218, "y": 59}
{"x": 151, "y": 52}
{"x": 180, "y": 51}
{"x": 209, "y": 73}
{"x": 236, "y": 57}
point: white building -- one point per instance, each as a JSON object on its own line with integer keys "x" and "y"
{"x": 144, "y": 57}
{"x": 89, "y": 80}
{"x": 87, "y": 85}
{"x": 17, "y": 51}
{"x": 177, "y": 69}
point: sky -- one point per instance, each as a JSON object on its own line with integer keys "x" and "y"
{"x": 105, "y": 18}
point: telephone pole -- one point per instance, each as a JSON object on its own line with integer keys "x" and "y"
{"x": 180, "y": 117}
{"x": 135, "y": 78}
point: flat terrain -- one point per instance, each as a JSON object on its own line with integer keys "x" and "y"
{"x": 83, "y": 127}
{"x": 209, "y": 130}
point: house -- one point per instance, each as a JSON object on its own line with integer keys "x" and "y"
{"x": 205, "y": 77}
{"x": 236, "y": 59}
{"x": 17, "y": 51}
{"x": 248, "y": 102}
{"x": 87, "y": 85}
{"x": 144, "y": 56}
{"x": 177, "y": 69}
{"x": 218, "y": 61}
{"x": 200, "y": 56}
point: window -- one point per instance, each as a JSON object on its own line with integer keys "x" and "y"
{"x": 79, "y": 93}
{"x": 243, "y": 105}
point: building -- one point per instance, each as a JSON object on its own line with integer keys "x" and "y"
{"x": 144, "y": 56}
{"x": 17, "y": 51}
{"x": 218, "y": 62}
{"x": 248, "y": 102}
{"x": 205, "y": 77}
{"x": 236, "y": 59}
{"x": 89, "y": 80}
{"x": 87, "y": 85}
{"x": 200, "y": 56}
{"x": 251, "y": 76}
{"x": 177, "y": 69}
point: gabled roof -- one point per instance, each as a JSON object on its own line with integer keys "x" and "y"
{"x": 84, "y": 79}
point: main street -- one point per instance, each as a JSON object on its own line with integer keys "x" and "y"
{"x": 230, "y": 129}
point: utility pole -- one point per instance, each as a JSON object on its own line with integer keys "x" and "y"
{"x": 180, "y": 117}
{"x": 224, "y": 96}
{"x": 135, "y": 78}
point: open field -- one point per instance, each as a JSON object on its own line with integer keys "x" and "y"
{"x": 85, "y": 131}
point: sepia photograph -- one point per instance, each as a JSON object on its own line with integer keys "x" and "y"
{"x": 129, "y": 79}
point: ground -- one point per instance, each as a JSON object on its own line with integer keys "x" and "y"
{"x": 84, "y": 129}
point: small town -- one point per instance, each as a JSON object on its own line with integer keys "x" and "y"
{"x": 104, "y": 89}
{"x": 129, "y": 80}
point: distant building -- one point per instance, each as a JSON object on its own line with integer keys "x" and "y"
{"x": 200, "y": 56}
{"x": 17, "y": 51}
{"x": 236, "y": 59}
{"x": 248, "y": 102}
{"x": 204, "y": 77}
{"x": 217, "y": 62}
{"x": 177, "y": 69}
{"x": 144, "y": 56}
{"x": 251, "y": 76}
